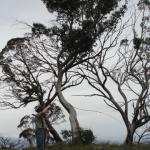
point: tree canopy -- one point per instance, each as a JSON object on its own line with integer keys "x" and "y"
{"x": 40, "y": 65}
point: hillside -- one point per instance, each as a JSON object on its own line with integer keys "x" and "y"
{"x": 94, "y": 147}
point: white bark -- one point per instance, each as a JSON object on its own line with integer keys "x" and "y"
{"x": 72, "y": 113}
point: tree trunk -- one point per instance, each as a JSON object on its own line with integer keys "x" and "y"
{"x": 129, "y": 137}
{"x": 30, "y": 141}
{"x": 56, "y": 136}
{"x": 72, "y": 115}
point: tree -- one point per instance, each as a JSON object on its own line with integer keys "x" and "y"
{"x": 26, "y": 82}
{"x": 143, "y": 134}
{"x": 53, "y": 52}
{"x": 55, "y": 115}
{"x": 81, "y": 24}
{"x": 128, "y": 75}
{"x": 27, "y": 127}
{"x": 28, "y": 134}
{"x": 7, "y": 142}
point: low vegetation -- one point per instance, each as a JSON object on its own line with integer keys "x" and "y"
{"x": 94, "y": 147}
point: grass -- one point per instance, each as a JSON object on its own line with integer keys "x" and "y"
{"x": 93, "y": 147}
{"x": 98, "y": 147}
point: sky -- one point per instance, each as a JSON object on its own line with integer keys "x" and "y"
{"x": 106, "y": 124}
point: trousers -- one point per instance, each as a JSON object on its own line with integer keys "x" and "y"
{"x": 40, "y": 135}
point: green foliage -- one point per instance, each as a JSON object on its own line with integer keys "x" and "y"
{"x": 63, "y": 5}
{"x": 137, "y": 42}
{"x": 76, "y": 41}
{"x": 143, "y": 3}
{"x": 25, "y": 87}
{"x": 38, "y": 29}
{"x": 82, "y": 21}
{"x": 87, "y": 136}
{"x": 124, "y": 42}
{"x": 75, "y": 7}
{"x": 66, "y": 134}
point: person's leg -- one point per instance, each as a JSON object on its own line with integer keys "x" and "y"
{"x": 40, "y": 138}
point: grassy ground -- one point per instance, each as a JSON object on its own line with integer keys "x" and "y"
{"x": 97, "y": 147}
{"x": 94, "y": 147}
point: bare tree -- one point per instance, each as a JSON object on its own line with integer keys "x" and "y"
{"x": 143, "y": 134}
{"x": 130, "y": 79}
{"x": 127, "y": 73}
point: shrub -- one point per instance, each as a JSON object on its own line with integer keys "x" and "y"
{"x": 87, "y": 136}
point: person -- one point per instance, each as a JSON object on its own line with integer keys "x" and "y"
{"x": 40, "y": 126}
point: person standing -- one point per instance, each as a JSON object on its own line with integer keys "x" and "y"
{"x": 40, "y": 126}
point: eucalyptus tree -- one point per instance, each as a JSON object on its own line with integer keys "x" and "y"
{"x": 41, "y": 63}
{"x": 122, "y": 80}
{"x": 81, "y": 23}
{"x": 26, "y": 82}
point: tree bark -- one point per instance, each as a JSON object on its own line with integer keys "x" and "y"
{"x": 75, "y": 128}
{"x": 30, "y": 141}
{"x": 129, "y": 137}
{"x": 56, "y": 136}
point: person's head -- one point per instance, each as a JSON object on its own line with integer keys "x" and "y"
{"x": 38, "y": 108}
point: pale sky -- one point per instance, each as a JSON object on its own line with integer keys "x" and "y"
{"x": 107, "y": 126}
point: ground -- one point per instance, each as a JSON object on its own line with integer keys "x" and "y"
{"x": 95, "y": 147}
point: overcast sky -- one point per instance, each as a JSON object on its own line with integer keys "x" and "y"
{"x": 106, "y": 125}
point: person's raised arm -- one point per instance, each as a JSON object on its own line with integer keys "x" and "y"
{"x": 45, "y": 109}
